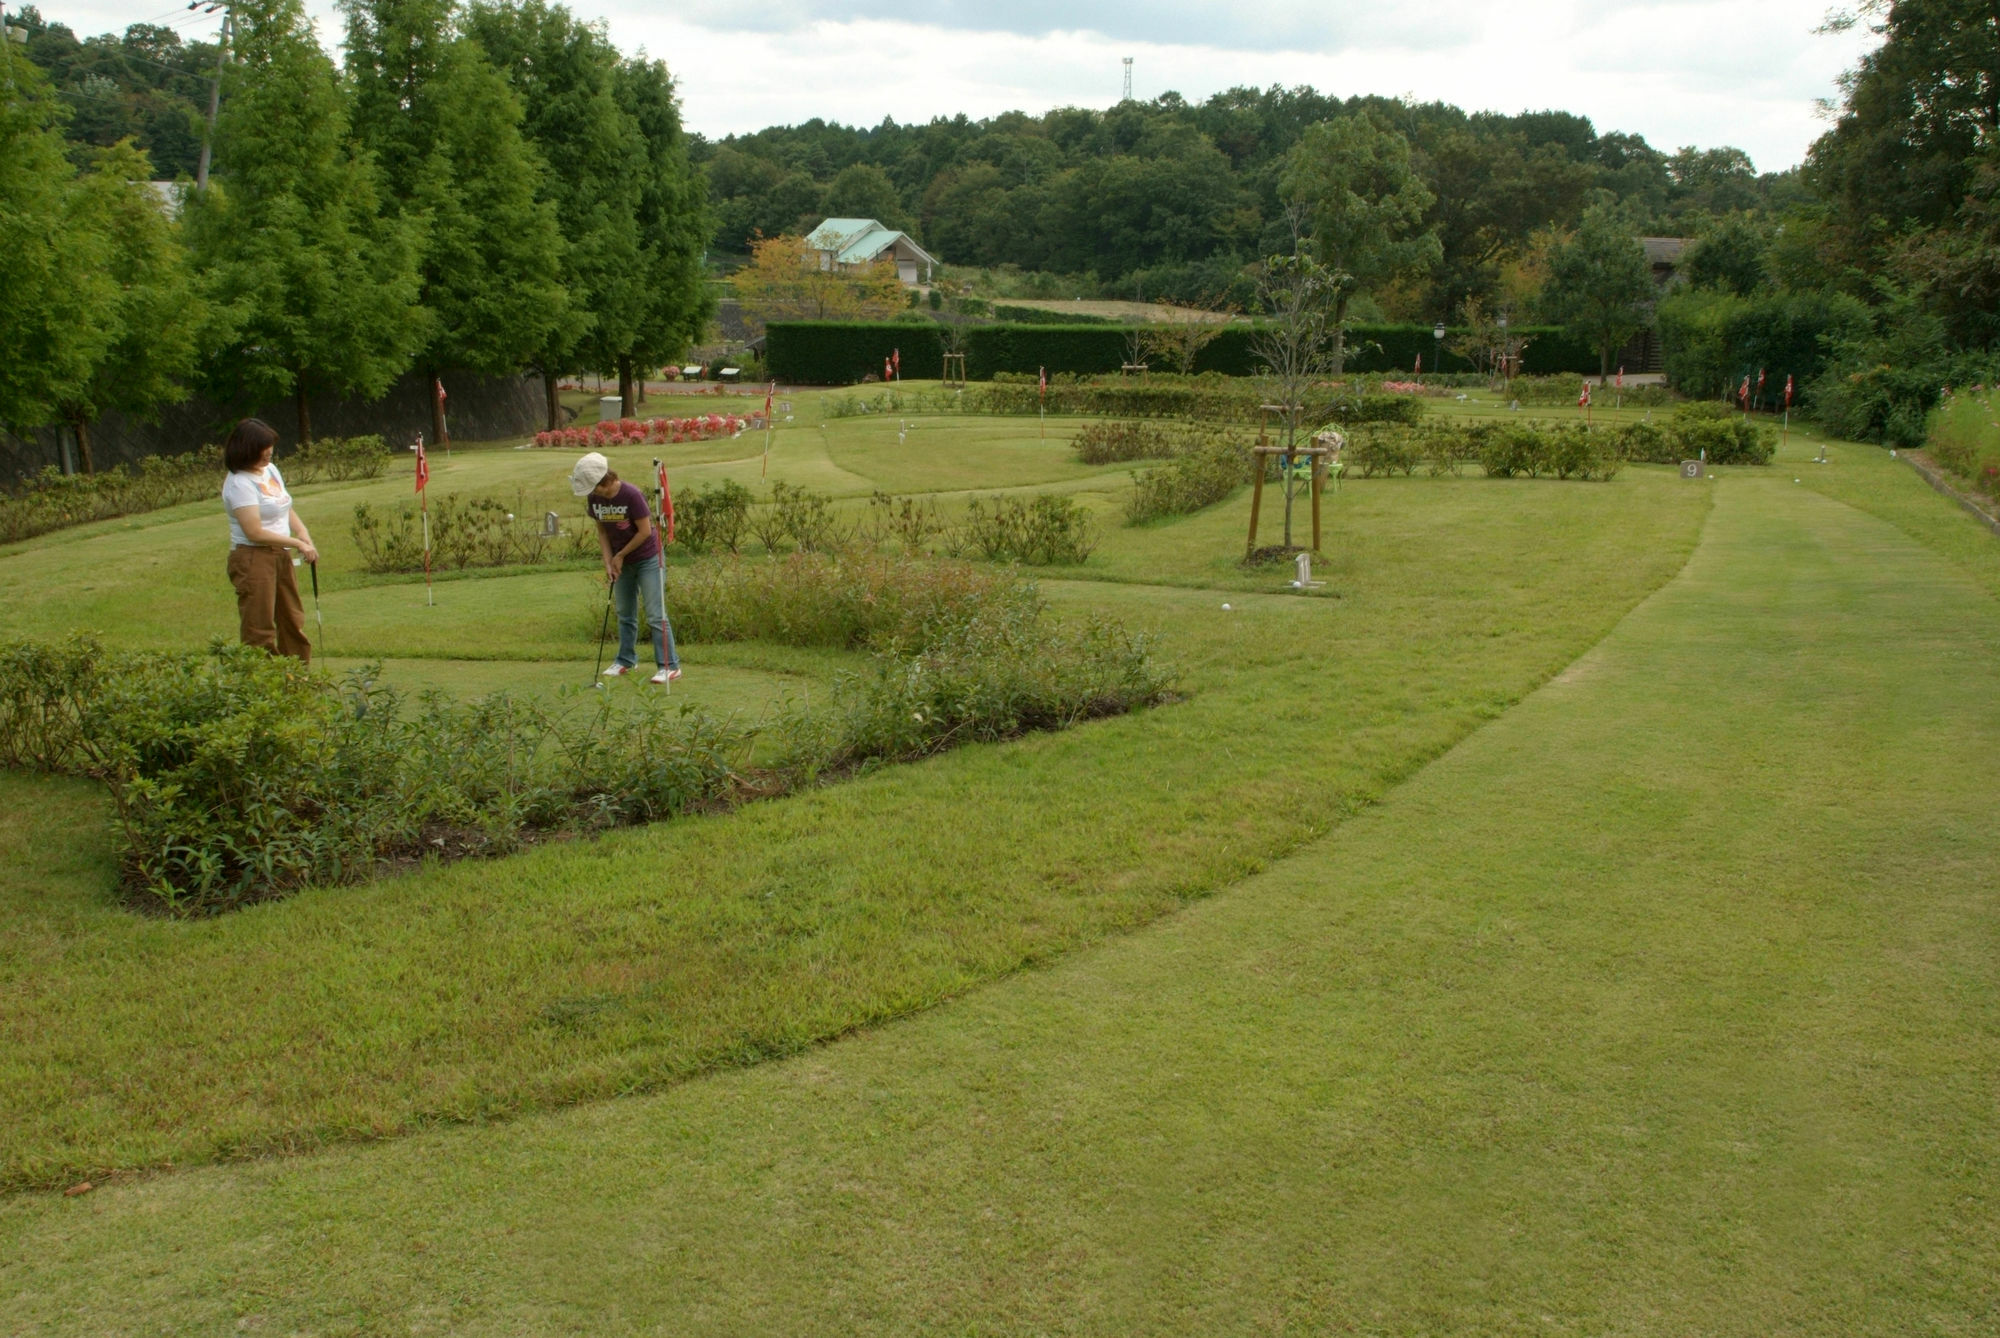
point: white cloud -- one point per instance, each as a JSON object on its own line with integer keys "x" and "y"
{"x": 1703, "y": 72}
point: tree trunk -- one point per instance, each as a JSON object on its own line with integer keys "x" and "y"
{"x": 626, "y": 405}
{"x": 642, "y": 386}
{"x": 80, "y": 425}
{"x": 305, "y": 415}
{"x": 1603, "y": 364}
{"x": 1339, "y": 340}
{"x": 437, "y": 412}
{"x": 554, "y": 403}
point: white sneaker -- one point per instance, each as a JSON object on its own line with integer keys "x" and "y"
{"x": 618, "y": 671}
{"x": 665, "y": 676}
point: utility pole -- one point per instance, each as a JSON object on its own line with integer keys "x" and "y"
{"x": 214, "y": 90}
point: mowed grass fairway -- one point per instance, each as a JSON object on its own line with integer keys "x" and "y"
{"x": 1664, "y": 1002}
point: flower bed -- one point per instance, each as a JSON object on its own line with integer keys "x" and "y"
{"x": 650, "y": 432}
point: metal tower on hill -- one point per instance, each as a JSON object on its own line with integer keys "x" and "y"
{"x": 1128, "y": 80}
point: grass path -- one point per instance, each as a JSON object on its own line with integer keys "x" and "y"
{"x": 1667, "y": 1003}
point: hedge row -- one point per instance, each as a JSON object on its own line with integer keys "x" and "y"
{"x": 838, "y": 353}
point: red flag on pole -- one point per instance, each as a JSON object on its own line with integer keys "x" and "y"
{"x": 1743, "y": 393}
{"x": 1583, "y": 396}
{"x": 1420, "y": 364}
{"x": 885, "y": 369}
{"x": 1788, "y": 392}
{"x": 423, "y": 464}
{"x": 767, "y": 400}
{"x": 1621, "y": 376}
{"x": 1042, "y": 384}
{"x": 896, "y": 356}
{"x": 666, "y": 502}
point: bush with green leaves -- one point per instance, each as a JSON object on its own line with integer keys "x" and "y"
{"x": 1044, "y": 530}
{"x": 1189, "y": 482}
{"x": 1558, "y": 450}
{"x": 1003, "y": 672}
{"x": 1109, "y": 443}
{"x": 464, "y": 532}
{"x": 847, "y": 600}
{"x": 800, "y": 518}
{"x": 1964, "y": 437}
{"x": 713, "y": 517}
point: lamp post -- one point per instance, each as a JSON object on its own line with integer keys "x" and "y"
{"x": 1506, "y": 357}
{"x": 1437, "y": 356}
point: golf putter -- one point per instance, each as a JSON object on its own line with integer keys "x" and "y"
{"x": 596, "y": 673}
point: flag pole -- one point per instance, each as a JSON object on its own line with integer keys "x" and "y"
{"x": 766, "y": 467}
{"x": 424, "y": 505}
{"x": 663, "y": 516}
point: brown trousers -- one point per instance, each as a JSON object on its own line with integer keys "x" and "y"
{"x": 267, "y": 600}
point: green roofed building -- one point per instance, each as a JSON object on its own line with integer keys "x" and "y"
{"x": 844, "y": 243}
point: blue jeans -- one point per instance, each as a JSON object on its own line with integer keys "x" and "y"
{"x": 641, "y": 577}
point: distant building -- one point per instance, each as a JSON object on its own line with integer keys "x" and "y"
{"x": 1664, "y": 255}
{"x": 844, "y": 243}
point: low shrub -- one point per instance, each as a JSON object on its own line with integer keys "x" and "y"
{"x": 1393, "y": 451}
{"x": 333, "y": 460}
{"x": 909, "y": 523}
{"x": 847, "y": 601}
{"x": 1002, "y": 673}
{"x": 1964, "y": 437}
{"x": 465, "y": 532}
{"x": 1109, "y": 443}
{"x": 799, "y": 518}
{"x": 1043, "y": 530}
{"x": 1187, "y": 483}
{"x": 713, "y": 517}
{"x": 1558, "y": 450}
{"x": 52, "y": 500}
{"x": 1723, "y": 436}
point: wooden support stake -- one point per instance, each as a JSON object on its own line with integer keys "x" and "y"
{"x": 1318, "y": 473}
{"x": 1256, "y": 505}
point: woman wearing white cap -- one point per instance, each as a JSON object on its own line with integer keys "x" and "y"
{"x": 631, "y": 563}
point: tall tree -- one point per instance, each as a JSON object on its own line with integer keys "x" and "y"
{"x": 1599, "y": 282}
{"x": 157, "y": 317}
{"x": 292, "y": 233}
{"x": 55, "y": 321}
{"x": 565, "y": 72}
{"x": 445, "y": 129}
{"x": 1354, "y": 176}
{"x": 674, "y": 226}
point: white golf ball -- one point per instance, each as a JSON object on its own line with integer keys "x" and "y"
{"x": 1225, "y": 607}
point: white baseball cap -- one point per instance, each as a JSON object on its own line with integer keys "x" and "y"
{"x": 589, "y": 472}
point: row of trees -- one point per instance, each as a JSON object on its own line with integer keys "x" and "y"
{"x": 481, "y": 189}
{"x": 1170, "y": 199}
{"x": 1878, "y": 282}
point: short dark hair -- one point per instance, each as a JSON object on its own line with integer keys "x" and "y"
{"x": 610, "y": 476}
{"x": 246, "y": 441}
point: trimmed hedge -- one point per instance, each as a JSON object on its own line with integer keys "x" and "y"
{"x": 838, "y": 353}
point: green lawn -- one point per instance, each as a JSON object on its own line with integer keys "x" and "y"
{"x": 1656, "y": 993}
{"x": 1664, "y": 1003}
{"x": 591, "y": 968}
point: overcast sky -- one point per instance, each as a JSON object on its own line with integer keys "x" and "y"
{"x": 1704, "y": 72}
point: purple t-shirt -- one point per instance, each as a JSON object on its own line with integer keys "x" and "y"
{"x": 620, "y": 518}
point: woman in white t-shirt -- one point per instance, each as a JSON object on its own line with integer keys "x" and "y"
{"x": 262, "y": 526}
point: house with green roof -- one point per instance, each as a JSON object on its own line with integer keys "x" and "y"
{"x": 847, "y": 243}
